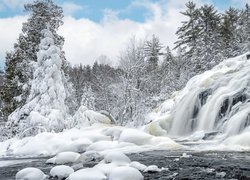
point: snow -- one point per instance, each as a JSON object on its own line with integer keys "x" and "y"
{"x": 30, "y": 174}
{"x": 185, "y": 155}
{"x": 64, "y": 157}
{"x": 61, "y": 171}
{"x": 100, "y": 138}
{"x": 87, "y": 174}
{"x": 154, "y": 168}
{"x": 134, "y": 136}
{"x": 138, "y": 165}
{"x": 85, "y": 117}
{"x": 125, "y": 173}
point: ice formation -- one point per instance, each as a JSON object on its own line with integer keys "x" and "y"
{"x": 215, "y": 104}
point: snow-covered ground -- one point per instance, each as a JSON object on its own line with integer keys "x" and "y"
{"x": 100, "y": 138}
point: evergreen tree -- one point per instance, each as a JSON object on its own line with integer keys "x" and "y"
{"x": 243, "y": 34}
{"x": 228, "y": 32}
{"x": 152, "y": 52}
{"x": 188, "y": 33}
{"x": 207, "y": 52}
{"x": 19, "y": 63}
{"x": 45, "y": 108}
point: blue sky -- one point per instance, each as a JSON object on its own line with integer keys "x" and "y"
{"x": 94, "y": 9}
{"x": 93, "y": 28}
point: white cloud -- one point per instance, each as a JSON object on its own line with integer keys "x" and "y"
{"x": 70, "y": 8}
{"x": 10, "y": 28}
{"x": 86, "y": 40}
{"x": 239, "y": 3}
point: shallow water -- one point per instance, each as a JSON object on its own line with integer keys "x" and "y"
{"x": 195, "y": 165}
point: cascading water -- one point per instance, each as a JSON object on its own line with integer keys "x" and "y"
{"x": 216, "y": 102}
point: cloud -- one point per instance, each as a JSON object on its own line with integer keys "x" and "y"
{"x": 10, "y": 28}
{"x": 86, "y": 40}
{"x": 70, "y": 8}
{"x": 239, "y": 3}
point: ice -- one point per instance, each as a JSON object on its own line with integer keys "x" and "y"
{"x": 185, "y": 155}
{"x": 220, "y": 174}
{"x": 88, "y": 174}
{"x": 64, "y": 157}
{"x": 61, "y": 172}
{"x": 160, "y": 125}
{"x": 30, "y": 174}
{"x": 241, "y": 140}
{"x": 125, "y": 173}
{"x": 138, "y": 165}
{"x": 154, "y": 168}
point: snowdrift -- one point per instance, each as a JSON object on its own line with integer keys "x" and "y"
{"x": 214, "y": 105}
{"x": 96, "y": 138}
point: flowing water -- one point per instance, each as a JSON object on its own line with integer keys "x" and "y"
{"x": 180, "y": 164}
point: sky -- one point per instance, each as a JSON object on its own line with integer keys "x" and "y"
{"x": 98, "y": 28}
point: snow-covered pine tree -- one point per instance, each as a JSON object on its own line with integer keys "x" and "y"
{"x": 189, "y": 31}
{"x": 207, "y": 52}
{"x": 228, "y": 32}
{"x": 45, "y": 108}
{"x": 152, "y": 52}
{"x": 19, "y": 68}
{"x": 243, "y": 32}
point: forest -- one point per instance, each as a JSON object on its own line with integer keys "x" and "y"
{"x": 148, "y": 72}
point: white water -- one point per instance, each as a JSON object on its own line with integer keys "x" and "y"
{"x": 217, "y": 101}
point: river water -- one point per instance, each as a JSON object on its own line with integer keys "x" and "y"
{"x": 190, "y": 165}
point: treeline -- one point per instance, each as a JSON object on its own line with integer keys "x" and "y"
{"x": 148, "y": 72}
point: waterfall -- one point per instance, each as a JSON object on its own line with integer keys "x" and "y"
{"x": 216, "y": 102}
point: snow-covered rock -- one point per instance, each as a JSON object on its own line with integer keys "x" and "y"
{"x": 134, "y": 136}
{"x": 116, "y": 157}
{"x": 85, "y": 117}
{"x": 65, "y": 157}
{"x": 88, "y": 174}
{"x": 125, "y": 173}
{"x": 30, "y": 174}
{"x": 96, "y": 138}
{"x": 61, "y": 172}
